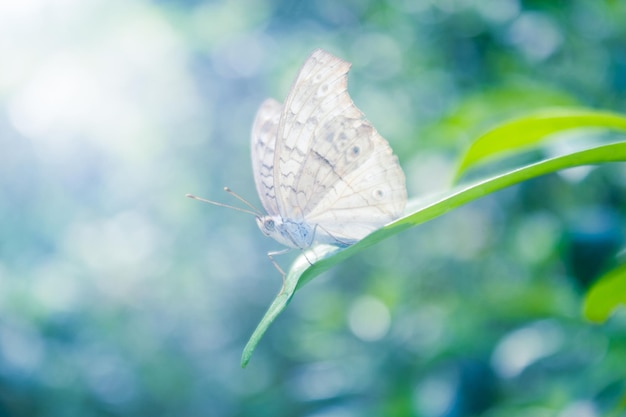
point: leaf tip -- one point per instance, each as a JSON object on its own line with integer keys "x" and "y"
{"x": 247, "y": 351}
{"x": 245, "y": 358}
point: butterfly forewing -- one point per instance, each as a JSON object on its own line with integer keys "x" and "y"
{"x": 319, "y": 86}
{"x": 333, "y": 170}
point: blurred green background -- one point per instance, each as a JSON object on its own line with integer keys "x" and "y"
{"x": 119, "y": 297}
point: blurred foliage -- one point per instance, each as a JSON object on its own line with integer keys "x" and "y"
{"x": 120, "y": 297}
{"x": 607, "y": 294}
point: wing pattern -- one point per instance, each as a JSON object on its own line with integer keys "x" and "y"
{"x": 263, "y": 142}
{"x": 333, "y": 168}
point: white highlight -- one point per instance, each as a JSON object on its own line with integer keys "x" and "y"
{"x": 521, "y": 348}
{"x": 369, "y": 319}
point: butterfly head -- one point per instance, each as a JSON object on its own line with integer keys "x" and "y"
{"x": 273, "y": 227}
{"x": 267, "y": 224}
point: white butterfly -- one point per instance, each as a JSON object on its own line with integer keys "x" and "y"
{"x": 322, "y": 172}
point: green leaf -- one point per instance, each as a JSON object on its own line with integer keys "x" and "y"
{"x": 520, "y": 134}
{"x": 606, "y": 295}
{"x": 421, "y": 211}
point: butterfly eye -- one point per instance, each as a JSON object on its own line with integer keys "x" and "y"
{"x": 269, "y": 224}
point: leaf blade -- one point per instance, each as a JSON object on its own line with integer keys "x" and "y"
{"x": 302, "y": 272}
{"x": 606, "y": 295}
{"x": 522, "y": 133}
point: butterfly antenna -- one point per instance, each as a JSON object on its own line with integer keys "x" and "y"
{"x": 243, "y": 200}
{"x": 215, "y": 203}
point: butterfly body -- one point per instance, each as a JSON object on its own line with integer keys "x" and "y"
{"x": 322, "y": 172}
{"x": 296, "y": 234}
{"x": 290, "y": 233}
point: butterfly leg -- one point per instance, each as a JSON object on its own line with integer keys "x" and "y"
{"x": 306, "y": 257}
{"x": 271, "y": 256}
{"x": 337, "y": 242}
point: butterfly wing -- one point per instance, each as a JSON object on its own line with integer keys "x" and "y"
{"x": 311, "y": 102}
{"x": 361, "y": 196}
{"x": 334, "y": 170}
{"x": 263, "y": 141}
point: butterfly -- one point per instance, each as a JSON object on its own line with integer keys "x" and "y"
{"x": 323, "y": 174}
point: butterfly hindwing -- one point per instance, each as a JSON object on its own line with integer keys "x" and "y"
{"x": 263, "y": 142}
{"x": 365, "y": 199}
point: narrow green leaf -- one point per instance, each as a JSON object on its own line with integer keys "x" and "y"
{"x": 520, "y": 134}
{"x": 422, "y": 211}
{"x": 287, "y": 291}
{"x": 606, "y": 295}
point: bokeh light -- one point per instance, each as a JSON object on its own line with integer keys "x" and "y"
{"x": 120, "y": 297}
